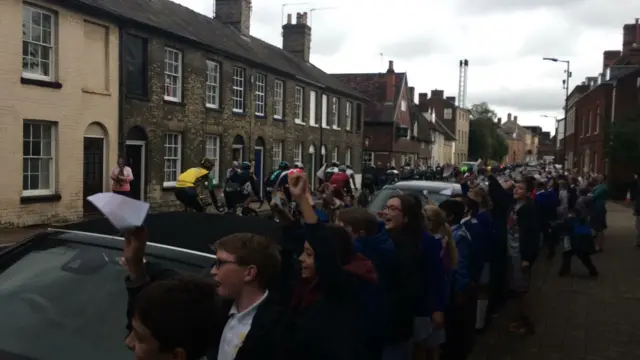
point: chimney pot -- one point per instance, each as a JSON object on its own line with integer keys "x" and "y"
{"x": 499, "y": 121}
{"x": 390, "y": 68}
{"x": 515, "y": 119}
{"x": 509, "y": 117}
{"x": 296, "y": 38}
{"x": 422, "y": 99}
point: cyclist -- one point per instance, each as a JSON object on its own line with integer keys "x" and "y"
{"x": 341, "y": 180}
{"x": 239, "y": 187}
{"x": 187, "y": 185}
{"x": 352, "y": 177}
{"x": 272, "y": 179}
{"x": 330, "y": 170}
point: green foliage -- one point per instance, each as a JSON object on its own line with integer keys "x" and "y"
{"x": 622, "y": 140}
{"x": 485, "y": 142}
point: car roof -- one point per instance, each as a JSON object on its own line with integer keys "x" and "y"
{"x": 434, "y": 186}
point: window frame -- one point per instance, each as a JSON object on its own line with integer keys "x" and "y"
{"x": 261, "y": 94}
{"x": 215, "y": 154}
{"x": 325, "y": 111}
{"x": 297, "y": 152}
{"x": 299, "y": 103}
{"x": 347, "y": 156}
{"x": 279, "y": 146}
{"x": 364, "y": 156}
{"x": 278, "y": 99}
{"x": 313, "y": 108}
{"x": 212, "y": 85}
{"x": 178, "y": 76}
{"x": 335, "y": 112}
{"x": 597, "y": 125}
{"x": 144, "y": 71}
{"x": 348, "y": 115}
{"x": 178, "y": 159}
{"x": 448, "y": 114}
{"x": 52, "y": 159}
{"x": 53, "y": 55}
{"x": 334, "y": 154}
{"x": 238, "y": 82}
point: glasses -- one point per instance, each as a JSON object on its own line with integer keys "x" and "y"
{"x": 220, "y": 263}
{"x": 392, "y": 208}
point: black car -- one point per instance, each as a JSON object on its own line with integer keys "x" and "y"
{"x": 429, "y": 191}
{"x": 62, "y": 292}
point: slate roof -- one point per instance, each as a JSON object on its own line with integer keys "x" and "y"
{"x": 424, "y": 125}
{"x": 509, "y": 127}
{"x": 374, "y": 87}
{"x": 212, "y": 35}
{"x": 448, "y": 135}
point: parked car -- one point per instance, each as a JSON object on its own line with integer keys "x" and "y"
{"x": 62, "y": 291}
{"x": 428, "y": 191}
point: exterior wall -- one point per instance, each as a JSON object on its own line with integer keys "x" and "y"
{"x": 591, "y": 111}
{"x": 447, "y": 152}
{"x": 626, "y": 97}
{"x": 516, "y": 152}
{"x": 193, "y": 120}
{"x": 462, "y": 135}
{"x": 81, "y": 98}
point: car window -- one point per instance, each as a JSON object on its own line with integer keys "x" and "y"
{"x": 66, "y": 301}
{"x": 380, "y": 198}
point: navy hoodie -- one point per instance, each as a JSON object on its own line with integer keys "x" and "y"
{"x": 477, "y": 247}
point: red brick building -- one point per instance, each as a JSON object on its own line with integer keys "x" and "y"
{"x": 391, "y": 133}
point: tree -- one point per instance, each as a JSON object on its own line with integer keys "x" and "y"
{"x": 485, "y": 142}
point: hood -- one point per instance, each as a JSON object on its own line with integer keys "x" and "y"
{"x": 362, "y": 268}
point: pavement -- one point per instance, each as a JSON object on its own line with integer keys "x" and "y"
{"x": 578, "y": 318}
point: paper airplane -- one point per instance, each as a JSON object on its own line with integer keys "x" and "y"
{"x": 123, "y": 212}
{"x": 447, "y": 192}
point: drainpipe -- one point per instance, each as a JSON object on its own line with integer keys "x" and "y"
{"x": 121, "y": 94}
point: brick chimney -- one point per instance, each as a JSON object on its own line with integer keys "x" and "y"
{"x": 509, "y": 117}
{"x": 451, "y": 99}
{"x": 515, "y": 119}
{"x": 437, "y": 94}
{"x": 499, "y": 121}
{"x": 423, "y": 98}
{"x": 236, "y": 13}
{"x": 630, "y": 36}
{"x": 390, "y": 79}
{"x": 296, "y": 38}
{"x": 609, "y": 57}
{"x": 411, "y": 94}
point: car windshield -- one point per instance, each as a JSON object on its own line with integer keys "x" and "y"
{"x": 380, "y": 199}
{"x": 66, "y": 301}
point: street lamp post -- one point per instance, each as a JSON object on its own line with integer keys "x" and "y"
{"x": 565, "y": 84}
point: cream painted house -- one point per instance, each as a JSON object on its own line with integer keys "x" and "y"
{"x": 461, "y": 151}
{"x": 59, "y": 111}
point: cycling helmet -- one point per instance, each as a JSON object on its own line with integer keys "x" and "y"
{"x": 206, "y": 163}
{"x": 348, "y": 166}
{"x": 298, "y": 165}
{"x": 342, "y": 168}
{"x": 283, "y": 165}
{"x": 335, "y": 164}
{"x": 245, "y": 165}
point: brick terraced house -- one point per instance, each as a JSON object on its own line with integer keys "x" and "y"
{"x": 59, "y": 110}
{"x": 195, "y": 85}
{"x": 392, "y": 132}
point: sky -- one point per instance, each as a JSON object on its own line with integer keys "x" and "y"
{"x": 504, "y": 41}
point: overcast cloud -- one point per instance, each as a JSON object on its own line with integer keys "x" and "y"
{"x": 504, "y": 41}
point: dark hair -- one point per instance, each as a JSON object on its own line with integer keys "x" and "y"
{"x": 454, "y": 209}
{"x": 181, "y": 312}
{"x": 412, "y": 210}
{"x": 256, "y": 250}
{"x": 473, "y": 206}
{"x": 342, "y": 243}
{"x": 359, "y": 220}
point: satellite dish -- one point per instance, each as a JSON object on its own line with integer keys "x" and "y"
{"x": 448, "y": 170}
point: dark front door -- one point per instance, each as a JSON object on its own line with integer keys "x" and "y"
{"x": 257, "y": 155}
{"x": 93, "y": 174}
{"x": 135, "y": 162}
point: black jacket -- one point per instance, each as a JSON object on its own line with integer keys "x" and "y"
{"x": 529, "y": 231}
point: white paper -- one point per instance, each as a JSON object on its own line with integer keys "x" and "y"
{"x": 124, "y": 213}
{"x": 447, "y": 192}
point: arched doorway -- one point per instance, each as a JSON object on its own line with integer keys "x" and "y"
{"x": 258, "y": 165}
{"x": 311, "y": 161}
{"x": 94, "y": 164}
{"x": 136, "y": 156}
{"x": 237, "y": 148}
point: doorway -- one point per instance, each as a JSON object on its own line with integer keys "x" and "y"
{"x": 135, "y": 156}
{"x": 237, "y": 149}
{"x": 258, "y": 155}
{"x": 93, "y": 171}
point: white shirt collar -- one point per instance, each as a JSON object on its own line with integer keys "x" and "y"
{"x": 249, "y": 312}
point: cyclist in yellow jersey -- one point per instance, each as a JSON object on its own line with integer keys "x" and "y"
{"x": 186, "y": 186}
